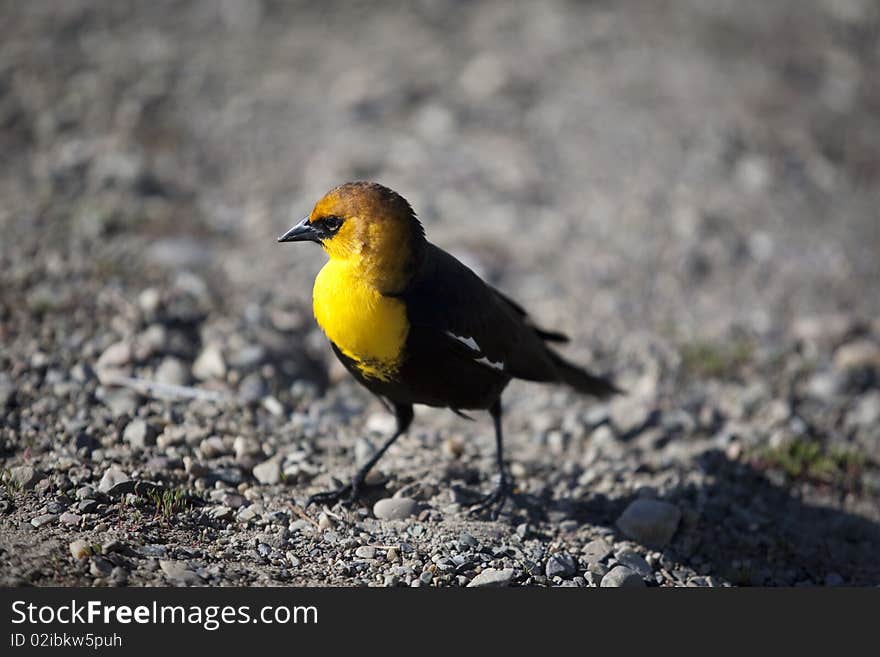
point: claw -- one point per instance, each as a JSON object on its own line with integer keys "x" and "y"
{"x": 494, "y": 500}
{"x": 347, "y": 494}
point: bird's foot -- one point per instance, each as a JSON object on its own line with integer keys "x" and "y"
{"x": 494, "y": 501}
{"x": 347, "y": 494}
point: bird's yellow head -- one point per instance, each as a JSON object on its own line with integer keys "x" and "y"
{"x": 369, "y": 228}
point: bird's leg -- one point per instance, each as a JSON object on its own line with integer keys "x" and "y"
{"x": 351, "y": 491}
{"x": 495, "y": 500}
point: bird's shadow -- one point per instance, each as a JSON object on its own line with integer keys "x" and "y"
{"x": 748, "y": 530}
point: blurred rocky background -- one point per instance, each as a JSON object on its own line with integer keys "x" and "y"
{"x": 690, "y": 189}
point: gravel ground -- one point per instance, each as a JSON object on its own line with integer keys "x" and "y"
{"x": 690, "y": 189}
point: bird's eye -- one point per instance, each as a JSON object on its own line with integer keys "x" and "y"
{"x": 332, "y": 223}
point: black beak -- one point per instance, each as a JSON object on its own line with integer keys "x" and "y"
{"x": 301, "y": 232}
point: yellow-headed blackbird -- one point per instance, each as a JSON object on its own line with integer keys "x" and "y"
{"x": 416, "y": 326}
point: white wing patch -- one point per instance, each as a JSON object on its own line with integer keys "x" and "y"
{"x": 494, "y": 364}
{"x": 471, "y": 344}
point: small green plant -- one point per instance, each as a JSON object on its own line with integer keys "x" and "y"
{"x": 810, "y": 459}
{"x": 9, "y": 483}
{"x": 720, "y": 360}
{"x": 167, "y": 502}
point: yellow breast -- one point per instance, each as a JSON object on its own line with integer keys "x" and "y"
{"x": 366, "y": 326}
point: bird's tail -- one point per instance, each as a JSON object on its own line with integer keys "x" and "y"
{"x": 581, "y": 380}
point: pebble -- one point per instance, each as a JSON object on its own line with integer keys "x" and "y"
{"x": 139, "y": 434}
{"x": 7, "y": 392}
{"x": 244, "y": 447}
{"x": 116, "y": 355}
{"x": 561, "y": 564}
{"x": 866, "y": 411}
{"x": 212, "y": 447}
{"x": 857, "y": 354}
{"x": 596, "y": 551}
{"x": 172, "y": 371}
{"x": 80, "y": 549}
{"x": 248, "y": 357}
{"x": 636, "y": 562}
{"x": 629, "y": 414}
{"x": 112, "y": 478}
{"x": 23, "y": 476}
{"x": 252, "y": 389}
{"x": 621, "y": 576}
{"x": 274, "y": 406}
{"x": 121, "y": 402}
{"x": 365, "y": 552}
{"x": 493, "y": 577}
{"x": 69, "y": 518}
{"x": 394, "y": 508}
{"x": 100, "y": 567}
{"x": 43, "y": 520}
{"x": 650, "y": 522}
{"x": 268, "y": 472}
{"x": 220, "y": 513}
{"x": 380, "y": 423}
{"x": 209, "y": 364}
{"x": 148, "y": 301}
{"x": 177, "y": 572}
{"x": 87, "y": 506}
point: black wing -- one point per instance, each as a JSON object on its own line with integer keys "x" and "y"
{"x": 449, "y": 306}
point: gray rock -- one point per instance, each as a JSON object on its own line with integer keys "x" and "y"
{"x": 274, "y": 406}
{"x": 209, "y": 364}
{"x": 244, "y": 447}
{"x": 116, "y": 355}
{"x": 866, "y": 411}
{"x": 857, "y": 354}
{"x": 636, "y": 562}
{"x": 467, "y": 540}
{"x": 630, "y": 414}
{"x": 252, "y": 388}
{"x": 139, "y": 434}
{"x": 268, "y": 472}
{"x": 172, "y": 371}
{"x": 121, "y": 402}
{"x": 365, "y": 552}
{"x": 825, "y": 385}
{"x": 7, "y": 391}
{"x": 212, "y": 447}
{"x": 395, "y": 508}
{"x": 70, "y": 519}
{"x": 112, "y": 478}
{"x": 493, "y": 577}
{"x": 561, "y": 564}
{"x": 45, "y": 519}
{"x": 596, "y": 551}
{"x": 85, "y": 493}
{"x": 80, "y": 549}
{"x": 87, "y": 506}
{"x": 178, "y": 573}
{"x": 100, "y": 567}
{"x": 650, "y": 522}
{"x": 621, "y": 576}
{"x": 24, "y": 477}
{"x": 220, "y": 513}
{"x": 148, "y": 301}
{"x": 248, "y": 357}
